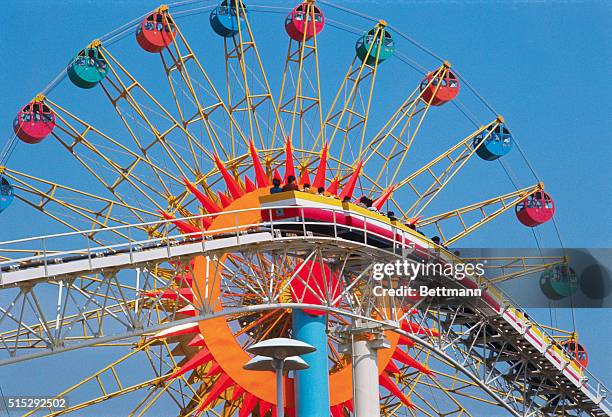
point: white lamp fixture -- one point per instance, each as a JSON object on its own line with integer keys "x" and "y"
{"x": 278, "y": 355}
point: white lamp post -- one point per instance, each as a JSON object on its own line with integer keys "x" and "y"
{"x": 278, "y": 355}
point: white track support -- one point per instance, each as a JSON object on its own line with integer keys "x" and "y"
{"x": 365, "y": 379}
{"x": 365, "y": 342}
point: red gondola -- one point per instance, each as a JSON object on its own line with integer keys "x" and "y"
{"x": 34, "y": 122}
{"x": 296, "y": 25}
{"x": 156, "y": 32}
{"x": 536, "y": 209}
{"x": 576, "y": 351}
{"x": 442, "y": 89}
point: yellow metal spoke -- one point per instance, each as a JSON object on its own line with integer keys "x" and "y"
{"x": 78, "y": 137}
{"x": 121, "y": 86}
{"x": 177, "y": 59}
{"x": 240, "y": 51}
{"x": 59, "y": 202}
{"x": 449, "y": 163}
{"x": 344, "y": 115}
{"x": 498, "y": 204}
{"x": 390, "y": 146}
{"x": 302, "y": 73}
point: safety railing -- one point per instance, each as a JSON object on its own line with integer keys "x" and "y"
{"x": 132, "y": 238}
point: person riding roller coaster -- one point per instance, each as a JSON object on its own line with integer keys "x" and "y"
{"x": 291, "y": 184}
{"x": 276, "y": 186}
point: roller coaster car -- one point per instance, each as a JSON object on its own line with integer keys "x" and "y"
{"x": 296, "y": 211}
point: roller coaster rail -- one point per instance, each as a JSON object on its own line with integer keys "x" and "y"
{"x": 50, "y": 263}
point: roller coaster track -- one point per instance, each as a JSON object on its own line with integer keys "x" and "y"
{"x": 101, "y": 299}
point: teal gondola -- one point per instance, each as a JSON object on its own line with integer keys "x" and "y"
{"x": 88, "y": 68}
{"x": 368, "y": 46}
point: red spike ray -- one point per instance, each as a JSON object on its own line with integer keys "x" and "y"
{"x": 277, "y": 175}
{"x": 184, "y": 279}
{"x": 223, "y": 383}
{"x": 333, "y": 187}
{"x": 249, "y": 403}
{"x": 413, "y": 222}
{"x": 182, "y": 294}
{"x": 319, "y": 180}
{"x": 233, "y": 187}
{"x": 337, "y": 411}
{"x": 392, "y": 368}
{"x": 348, "y": 189}
{"x": 248, "y": 184}
{"x": 405, "y": 341}
{"x": 209, "y": 205}
{"x": 289, "y": 166}
{"x": 199, "y": 359}
{"x": 260, "y": 175}
{"x": 406, "y": 359}
{"x": 390, "y": 386}
{"x": 183, "y": 225}
{"x": 187, "y": 311}
{"x": 225, "y": 200}
{"x": 349, "y": 405}
{"x": 264, "y": 407}
{"x": 380, "y": 201}
{"x": 215, "y": 369}
{"x": 304, "y": 177}
{"x": 198, "y": 340}
{"x": 238, "y": 391}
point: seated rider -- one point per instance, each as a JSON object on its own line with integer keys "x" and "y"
{"x": 370, "y": 205}
{"x": 291, "y": 184}
{"x": 437, "y": 241}
{"x": 276, "y": 186}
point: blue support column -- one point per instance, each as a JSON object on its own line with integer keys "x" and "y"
{"x": 312, "y": 384}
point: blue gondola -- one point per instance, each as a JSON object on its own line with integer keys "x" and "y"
{"x": 225, "y": 19}
{"x": 7, "y": 194}
{"x": 497, "y": 143}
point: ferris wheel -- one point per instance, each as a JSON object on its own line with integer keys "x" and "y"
{"x": 224, "y": 191}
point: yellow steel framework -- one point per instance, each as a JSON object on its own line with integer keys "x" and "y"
{"x": 441, "y": 170}
{"x": 166, "y": 149}
{"x": 349, "y": 111}
{"x": 390, "y": 146}
{"x": 517, "y": 267}
{"x": 244, "y": 61}
{"x": 300, "y": 94}
{"x": 498, "y": 205}
{"x": 177, "y": 59}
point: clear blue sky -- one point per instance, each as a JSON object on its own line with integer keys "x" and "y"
{"x": 543, "y": 64}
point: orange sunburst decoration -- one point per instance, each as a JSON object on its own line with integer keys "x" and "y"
{"x": 214, "y": 349}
